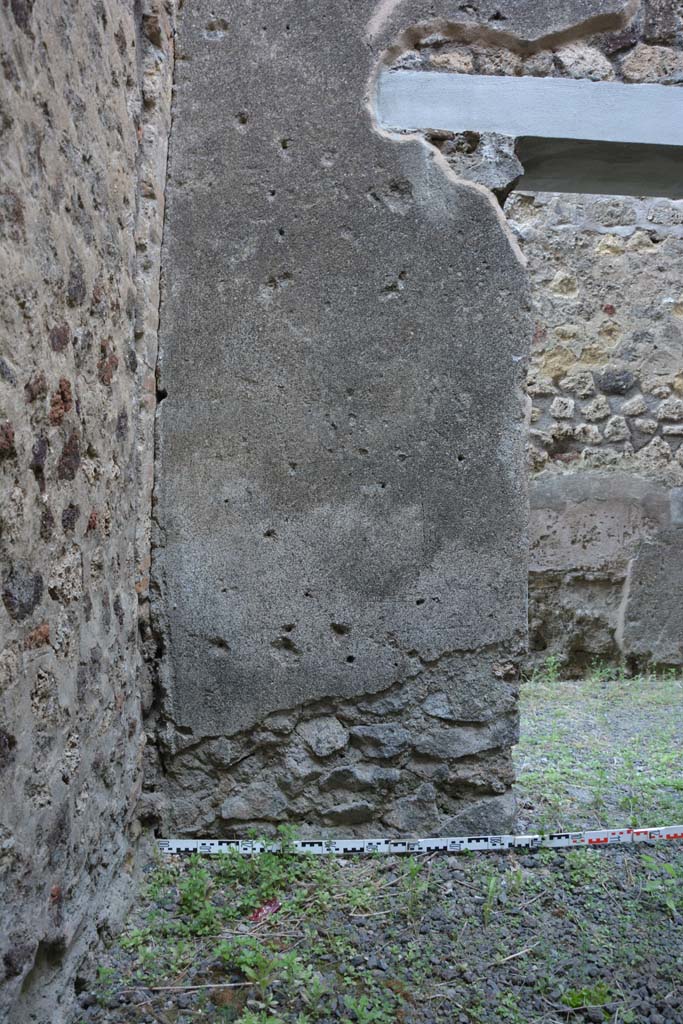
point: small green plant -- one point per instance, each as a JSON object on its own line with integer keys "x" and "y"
{"x": 414, "y": 887}
{"x": 600, "y": 672}
{"x": 549, "y": 674}
{"x": 135, "y": 938}
{"x": 314, "y": 992}
{"x": 584, "y": 866}
{"x": 259, "y": 1017}
{"x": 104, "y": 986}
{"x": 492, "y": 891}
{"x": 591, "y": 995}
{"x": 508, "y": 1009}
{"x": 667, "y": 885}
{"x": 361, "y": 898}
{"x": 364, "y": 1011}
{"x": 515, "y": 880}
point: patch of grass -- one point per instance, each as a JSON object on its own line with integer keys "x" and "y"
{"x": 665, "y": 884}
{"x": 596, "y": 753}
{"x": 592, "y": 995}
{"x": 285, "y": 939}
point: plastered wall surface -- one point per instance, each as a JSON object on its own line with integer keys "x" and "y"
{"x": 341, "y": 501}
{"x": 83, "y": 89}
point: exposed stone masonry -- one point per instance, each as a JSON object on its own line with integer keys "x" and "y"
{"x": 432, "y": 753}
{"x": 606, "y": 378}
{"x": 606, "y": 374}
{"x": 606, "y": 386}
{"x": 84, "y": 88}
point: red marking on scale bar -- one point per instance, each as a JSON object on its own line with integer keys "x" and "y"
{"x": 605, "y": 840}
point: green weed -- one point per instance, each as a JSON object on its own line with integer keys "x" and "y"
{"x": 592, "y": 995}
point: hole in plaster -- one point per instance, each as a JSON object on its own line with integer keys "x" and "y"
{"x": 162, "y": 393}
{"x": 420, "y": 600}
{"x": 350, "y": 660}
{"x": 216, "y": 28}
{"x": 220, "y": 643}
{"x": 269, "y": 533}
{"x": 285, "y": 643}
{"x": 340, "y": 628}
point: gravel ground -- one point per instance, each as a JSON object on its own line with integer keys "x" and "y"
{"x": 551, "y": 936}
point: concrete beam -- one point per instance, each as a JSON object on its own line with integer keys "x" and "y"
{"x": 574, "y": 135}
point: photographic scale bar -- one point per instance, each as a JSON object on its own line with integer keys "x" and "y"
{"x": 448, "y": 844}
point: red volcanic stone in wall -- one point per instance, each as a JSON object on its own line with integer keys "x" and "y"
{"x": 36, "y": 387}
{"x": 59, "y": 337}
{"x": 38, "y": 637}
{"x": 22, "y": 592}
{"x": 107, "y": 363}
{"x": 99, "y": 303}
{"x": 7, "y": 449}
{"x": 70, "y": 459}
{"x": 62, "y": 402}
{"x": 618, "y": 41}
{"x": 92, "y": 521}
{"x": 609, "y": 309}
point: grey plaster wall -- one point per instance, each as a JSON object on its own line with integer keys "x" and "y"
{"x": 84, "y": 102}
{"x": 341, "y": 498}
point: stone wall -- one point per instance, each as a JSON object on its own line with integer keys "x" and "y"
{"x": 85, "y": 98}
{"x": 606, "y": 385}
{"x": 606, "y": 372}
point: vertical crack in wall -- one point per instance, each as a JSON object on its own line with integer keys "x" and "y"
{"x": 158, "y": 29}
